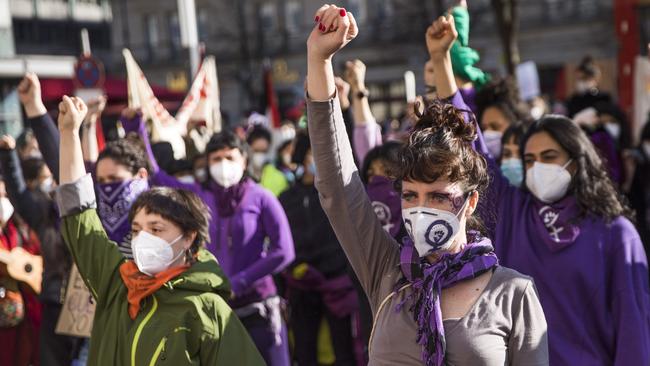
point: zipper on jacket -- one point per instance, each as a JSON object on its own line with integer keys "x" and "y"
{"x": 160, "y": 349}
{"x": 138, "y": 331}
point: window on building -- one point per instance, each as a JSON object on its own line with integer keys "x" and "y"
{"x": 359, "y": 8}
{"x": 203, "y": 24}
{"x": 293, "y": 16}
{"x": 151, "y": 24}
{"x": 11, "y": 118}
{"x": 174, "y": 31}
{"x": 386, "y": 8}
{"x": 268, "y": 17}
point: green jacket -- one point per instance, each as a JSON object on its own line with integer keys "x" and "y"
{"x": 273, "y": 180}
{"x": 185, "y": 322}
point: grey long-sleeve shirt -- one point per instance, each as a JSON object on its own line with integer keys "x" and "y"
{"x": 506, "y": 325}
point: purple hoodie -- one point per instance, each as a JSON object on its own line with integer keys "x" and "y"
{"x": 251, "y": 245}
{"x": 594, "y": 291}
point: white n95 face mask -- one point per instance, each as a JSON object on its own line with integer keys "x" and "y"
{"x": 548, "y": 182}
{"x": 6, "y": 209}
{"x": 258, "y": 160}
{"x": 226, "y": 173}
{"x": 152, "y": 254}
{"x": 614, "y": 130}
{"x": 47, "y": 185}
{"x": 431, "y": 229}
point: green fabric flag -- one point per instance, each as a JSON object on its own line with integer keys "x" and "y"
{"x": 464, "y": 57}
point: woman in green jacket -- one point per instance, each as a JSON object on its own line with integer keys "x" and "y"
{"x": 165, "y": 307}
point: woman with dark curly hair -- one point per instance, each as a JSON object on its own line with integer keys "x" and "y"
{"x": 569, "y": 230}
{"x": 441, "y": 297}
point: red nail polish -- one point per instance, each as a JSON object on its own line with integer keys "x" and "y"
{"x": 317, "y": 19}
{"x": 322, "y": 27}
{"x": 342, "y": 12}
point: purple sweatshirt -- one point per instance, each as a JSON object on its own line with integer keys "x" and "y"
{"x": 594, "y": 291}
{"x": 251, "y": 245}
{"x": 606, "y": 146}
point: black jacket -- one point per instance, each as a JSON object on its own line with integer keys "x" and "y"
{"x": 38, "y": 211}
{"x": 313, "y": 237}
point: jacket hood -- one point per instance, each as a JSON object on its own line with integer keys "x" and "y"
{"x": 205, "y": 275}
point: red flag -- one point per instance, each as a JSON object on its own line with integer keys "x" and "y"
{"x": 99, "y": 132}
{"x": 272, "y": 107}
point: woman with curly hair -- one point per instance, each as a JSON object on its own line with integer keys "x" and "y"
{"x": 569, "y": 230}
{"x": 441, "y": 297}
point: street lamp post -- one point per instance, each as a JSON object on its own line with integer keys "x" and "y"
{"x": 189, "y": 33}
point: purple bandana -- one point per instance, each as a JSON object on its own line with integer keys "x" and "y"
{"x": 114, "y": 203}
{"x": 387, "y": 203}
{"x": 428, "y": 281}
{"x": 555, "y": 222}
{"x": 228, "y": 199}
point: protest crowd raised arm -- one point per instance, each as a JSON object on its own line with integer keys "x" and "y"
{"x": 470, "y": 223}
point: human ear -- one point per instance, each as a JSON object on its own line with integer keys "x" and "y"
{"x": 472, "y": 204}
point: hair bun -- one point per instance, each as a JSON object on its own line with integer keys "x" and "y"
{"x": 439, "y": 116}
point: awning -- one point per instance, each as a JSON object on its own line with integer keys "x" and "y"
{"x": 115, "y": 89}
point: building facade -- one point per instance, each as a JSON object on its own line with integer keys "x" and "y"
{"x": 243, "y": 33}
{"x": 43, "y": 36}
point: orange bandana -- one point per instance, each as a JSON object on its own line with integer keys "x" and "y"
{"x": 140, "y": 285}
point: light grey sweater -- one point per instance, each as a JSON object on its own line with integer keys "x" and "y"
{"x": 506, "y": 325}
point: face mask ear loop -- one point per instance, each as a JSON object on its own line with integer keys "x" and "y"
{"x": 179, "y": 253}
{"x": 567, "y": 163}
{"x": 465, "y": 204}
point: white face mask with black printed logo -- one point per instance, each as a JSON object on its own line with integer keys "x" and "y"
{"x": 431, "y": 229}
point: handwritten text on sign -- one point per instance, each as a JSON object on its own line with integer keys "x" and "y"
{"x": 78, "y": 311}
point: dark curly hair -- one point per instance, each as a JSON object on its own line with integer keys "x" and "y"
{"x": 502, "y": 94}
{"x": 127, "y": 152}
{"x": 440, "y": 146}
{"x": 590, "y": 185}
{"x": 182, "y": 207}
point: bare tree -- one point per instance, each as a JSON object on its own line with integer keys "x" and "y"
{"x": 507, "y": 16}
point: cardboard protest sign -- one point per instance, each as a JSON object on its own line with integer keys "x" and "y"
{"x": 78, "y": 312}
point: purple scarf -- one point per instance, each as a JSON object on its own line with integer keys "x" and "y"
{"x": 228, "y": 199}
{"x": 114, "y": 203}
{"x": 428, "y": 280}
{"x": 386, "y": 202}
{"x": 554, "y": 222}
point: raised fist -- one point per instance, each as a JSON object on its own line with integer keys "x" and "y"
{"x": 343, "y": 91}
{"x": 7, "y": 143}
{"x": 72, "y": 112}
{"x": 440, "y": 36}
{"x": 335, "y": 28}
{"x": 355, "y": 73}
{"x": 29, "y": 93}
{"x": 97, "y": 105}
